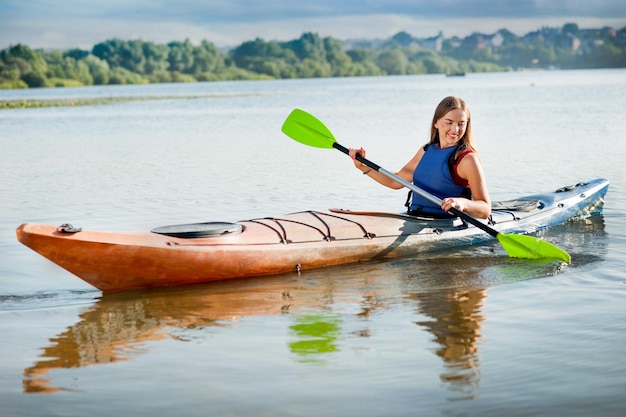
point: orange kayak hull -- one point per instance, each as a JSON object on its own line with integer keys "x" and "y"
{"x": 121, "y": 261}
{"x": 293, "y": 242}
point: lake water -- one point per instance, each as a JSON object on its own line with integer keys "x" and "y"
{"x": 461, "y": 333}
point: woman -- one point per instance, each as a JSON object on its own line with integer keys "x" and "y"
{"x": 448, "y": 166}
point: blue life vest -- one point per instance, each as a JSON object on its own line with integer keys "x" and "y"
{"x": 433, "y": 174}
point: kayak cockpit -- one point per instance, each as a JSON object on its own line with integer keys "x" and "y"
{"x": 199, "y": 230}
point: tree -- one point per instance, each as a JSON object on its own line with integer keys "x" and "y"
{"x": 118, "y": 53}
{"x": 34, "y": 79}
{"x": 77, "y": 54}
{"x": 308, "y": 46}
{"x": 98, "y": 69}
{"x": 403, "y": 39}
{"x": 30, "y": 64}
{"x": 132, "y": 57}
{"x": 311, "y": 68}
{"x": 393, "y": 62}
{"x": 433, "y": 66}
{"x": 570, "y": 28}
{"x": 248, "y": 54}
{"x": 180, "y": 56}
{"x": 109, "y": 51}
{"x": 155, "y": 57}
{"x": 206, "y": 58}
{"x": 121, "y": 75}
{"x": 33, "y": 58}
{"x": 339, "y": 61}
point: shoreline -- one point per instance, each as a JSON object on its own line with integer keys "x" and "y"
{"x": 95, "y": 101}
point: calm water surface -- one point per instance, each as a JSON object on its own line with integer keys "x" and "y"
{"x": 468, "y": 332}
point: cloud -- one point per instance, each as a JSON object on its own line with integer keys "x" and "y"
{"x": 79, "y": 23}
{"x": 202, "y": 11}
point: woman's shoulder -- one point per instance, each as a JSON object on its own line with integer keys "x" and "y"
{"x": 467, "y": 162}
{"x": 462, "y": 152}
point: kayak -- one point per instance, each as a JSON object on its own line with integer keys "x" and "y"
{"x": 294, "y": 242}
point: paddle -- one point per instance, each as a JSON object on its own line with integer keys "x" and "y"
{"x": 307, "y": 129}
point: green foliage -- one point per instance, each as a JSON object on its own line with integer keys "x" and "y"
{"x": 34, "y": 79}
{"x": 120, "y": 75}
{"x": 65, "y": 67}
{"x": 9, "y": 84}
{"x": 99, "y": 69}
{"x": 393, "y": 62}
{"x": 117, "y": 61}
{"x": 61, "y": 82}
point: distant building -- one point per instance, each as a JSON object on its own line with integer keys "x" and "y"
{"x": 435, "y": 43}
{"x": 497, "y": 40}
{"x": 571, "y": 42}
{"x": 482, "y": 41}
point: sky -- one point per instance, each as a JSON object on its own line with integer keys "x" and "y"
{"x": 66, "y": 24}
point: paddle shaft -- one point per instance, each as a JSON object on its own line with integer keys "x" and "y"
{"x": 416, "y": 189}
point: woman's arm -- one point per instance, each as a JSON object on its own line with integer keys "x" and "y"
{"x": 405, "y": 173}
{"x": 471, "y": 170}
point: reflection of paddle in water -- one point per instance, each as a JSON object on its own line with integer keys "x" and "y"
{"x": 315, "y": 335}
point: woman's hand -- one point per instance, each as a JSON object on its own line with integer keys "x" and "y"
{"x": 360, "y": 165}
{"x": 458, "y": 203}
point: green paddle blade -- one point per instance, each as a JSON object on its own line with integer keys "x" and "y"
{"x": 306, "y": 128}
{"x": 530, "y": 247}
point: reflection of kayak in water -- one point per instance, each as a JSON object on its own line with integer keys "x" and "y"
{"x": 271, "y": 245}
{"x": 447, "y": 290}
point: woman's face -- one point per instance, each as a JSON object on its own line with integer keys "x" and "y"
{"x": 451, "y": 127}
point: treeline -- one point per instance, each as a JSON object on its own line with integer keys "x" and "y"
{"x": 117, "y": 61}
{"x": 135, "y": 61}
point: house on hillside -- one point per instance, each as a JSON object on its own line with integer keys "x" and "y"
{"x": 571, "y": 42}
{"x": 435, "y": 43}
{"x": 482, "y": 41}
